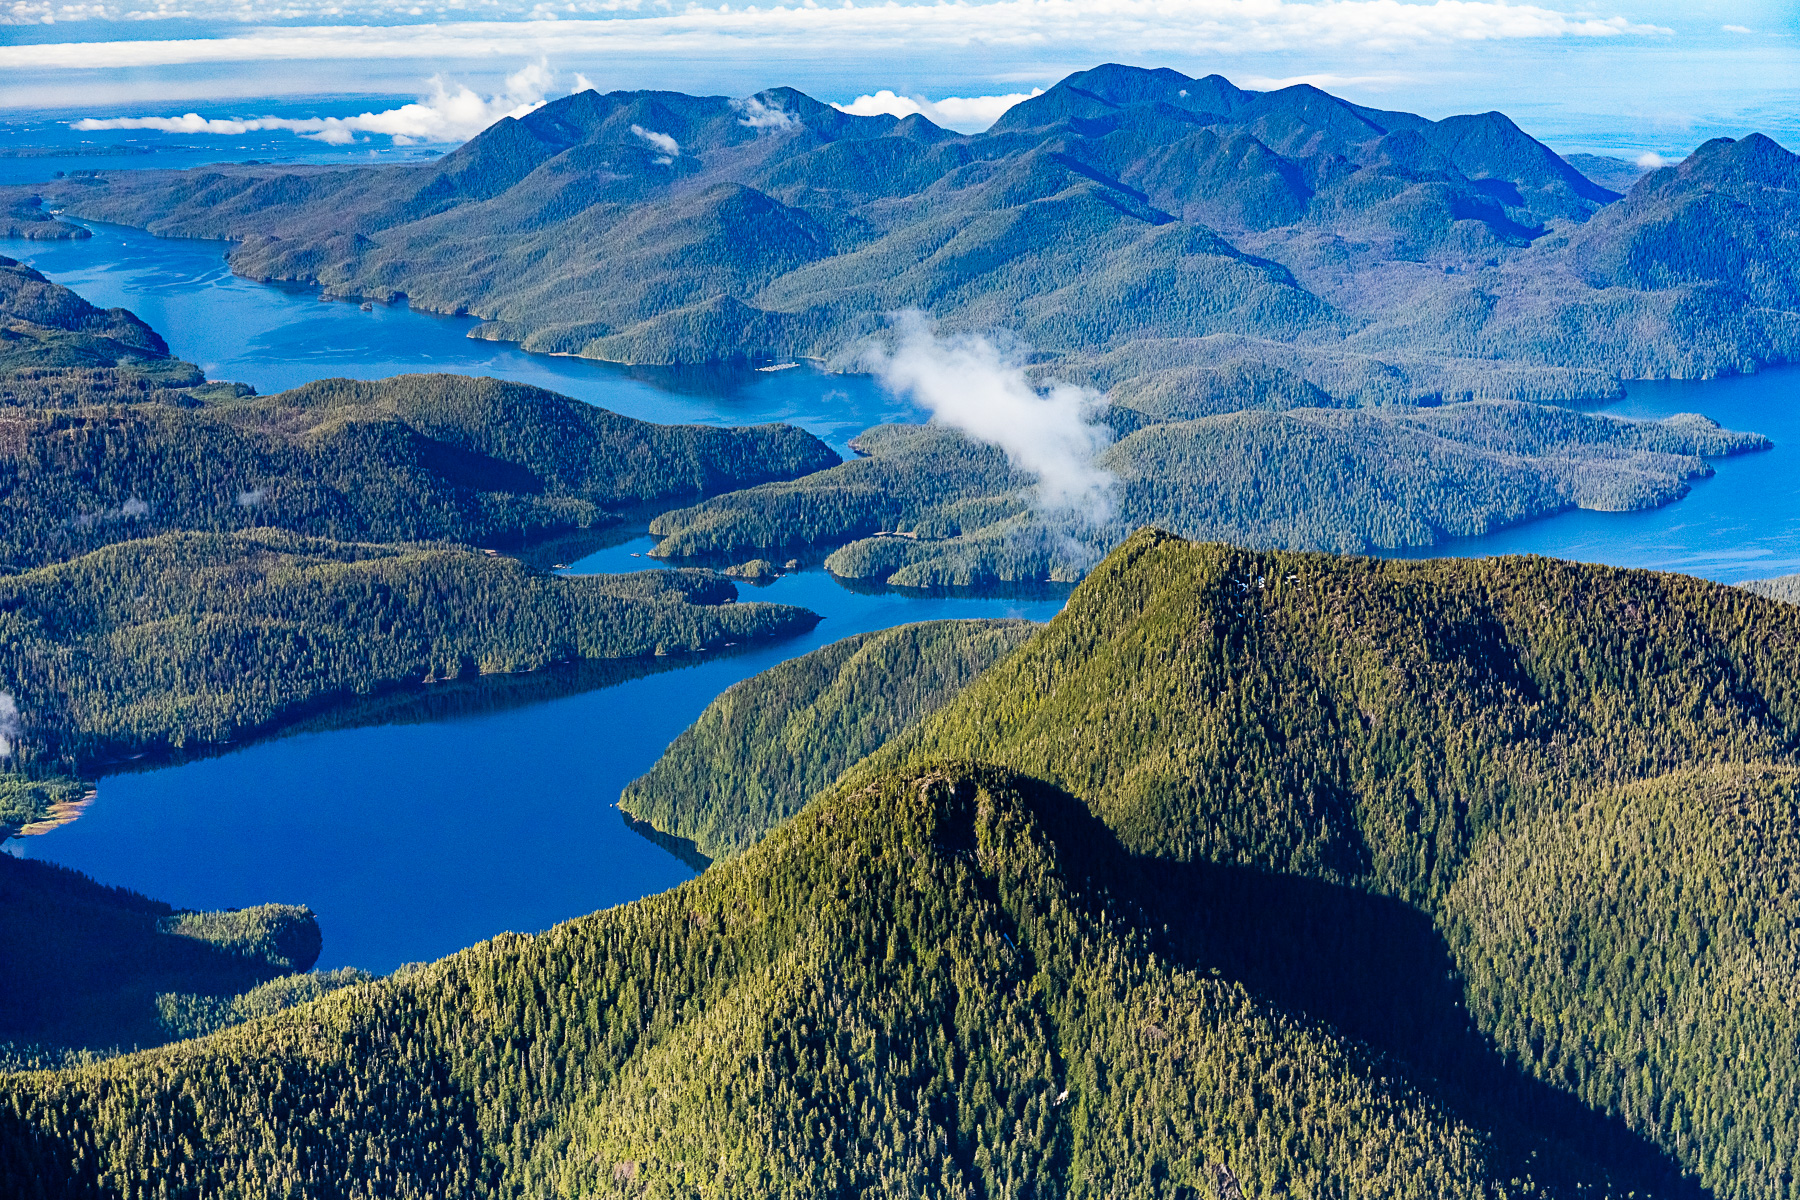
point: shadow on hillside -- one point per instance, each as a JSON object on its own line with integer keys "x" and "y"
{"x": 83, "y": 963}
{"x": 1375, "y": 969}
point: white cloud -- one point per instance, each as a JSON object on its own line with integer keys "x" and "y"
{"x": 669, "y": 146}
{"x": 968, "y": 114}
{"x": 971, "y": 384}
{"x": 1737, "y": 29}
{"x": 760, "y": 114}
{"x": 582, "y": 84}
{"x": 1650, "y": 160}
{"x": 452, "y": 113}
{"x": 740, "y": 31}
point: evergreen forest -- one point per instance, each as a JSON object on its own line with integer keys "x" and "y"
{"x": 1251, "y": 874}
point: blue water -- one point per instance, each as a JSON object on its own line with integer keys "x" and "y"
{"x": 413, "y": 840}
{"x": 280, "y": 337}
{"x": 1743, "y": 523}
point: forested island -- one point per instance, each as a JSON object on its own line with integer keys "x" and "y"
{"x": 927, "y": 506}
{"x": 1253, "y": 873}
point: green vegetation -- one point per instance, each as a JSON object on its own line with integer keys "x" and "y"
{"x": 25, "y": 800}
{"x": 1290, "y": 875}
{"x": 1639, "y": 951}
{"x": 1375, "y": 255}
{"x": 767, "y": 744}
{"x": 94, "y": 968}
{"x": 913, "y": 987}
{"x": 413, "y": 458}
{"x": 1306, "y": 478}
{"x": 192, "y": 640}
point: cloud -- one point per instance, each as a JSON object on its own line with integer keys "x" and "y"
{"x": 582, "y": 84}
{"x": 451, "y": 113}
{"x": 1650, "y": 160}
{"x": 10, "y": 728}
{"x": 760, "y": 114}
{"x": 669, "y": 146}
{"x": 970, "y": 383}
{"x": 1173, "y": 27}
{"x": 1737, "y": 29}
{"x": 968, "y": 114}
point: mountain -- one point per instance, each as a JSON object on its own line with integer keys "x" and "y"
{"x": 1122, "y": 209}
{"x": 767, "y": 744}
{"x": 411, "y": 458}
{"x": 119, "y": 441}
{"x": 1280, "y": 874}
{"x": 45, "y": 327}
{"x": 925, "y": 506}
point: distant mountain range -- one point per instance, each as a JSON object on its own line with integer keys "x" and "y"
{"x": 1376, "y": 255}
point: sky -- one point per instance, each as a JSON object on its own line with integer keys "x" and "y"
{"x": 1612, "y": 76}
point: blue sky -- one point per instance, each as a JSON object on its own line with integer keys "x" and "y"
{"x": 1624, "y": 77}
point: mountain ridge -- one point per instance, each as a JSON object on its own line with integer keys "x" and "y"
{"x": 1453, "y": 245}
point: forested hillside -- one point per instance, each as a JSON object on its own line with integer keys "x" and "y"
{"x": 1293, "y": 875}
{"x": 1374, "y": 254}
{"x": 1303, "y": 478}
{"x": 91, "y": 969}
{"x": 192, "y": 640}
{"x": 767, "y": 744}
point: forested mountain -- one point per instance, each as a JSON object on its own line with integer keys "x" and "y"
{"x": 925, "y": 506}
{"x": 190, "y": 640}
{"x": 767, "y": 744}
{"x": 1122, "y": 209}
{"x": 48, "y": 330}
{"x": 1290, "y": 875}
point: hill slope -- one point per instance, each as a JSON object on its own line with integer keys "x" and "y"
{"x": 1296, "y": 876}
{"x": 767, "y": 744}
{"x": 1124, "y": 207}
{"x": 1301, "y": 478}
{"x": 191, "y": 640}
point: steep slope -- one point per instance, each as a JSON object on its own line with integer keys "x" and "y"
{"x": 767, "y": 744}
{"x": 906, "y": 989}
{"x": 1294, "y": 875}
{"x": 1122, "y": 205}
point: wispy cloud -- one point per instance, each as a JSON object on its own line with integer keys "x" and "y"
{"x": 973, "y": 384}
{"x": 969, "y": 114}
{"x": 1172, "y": 26}
{"x": 451, "y": 113}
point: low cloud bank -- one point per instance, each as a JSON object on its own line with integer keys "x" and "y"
{"x": 965, "y": 114}
{"x": 970, "y": 383}
{"x": 453, "y": 112}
